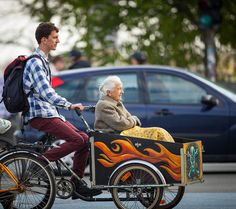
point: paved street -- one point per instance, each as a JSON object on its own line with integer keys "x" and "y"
{"x": 217, "y": 192}
{"x": 189, "y": 201}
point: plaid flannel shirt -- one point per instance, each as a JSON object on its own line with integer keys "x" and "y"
{"x": 43, "y": 100}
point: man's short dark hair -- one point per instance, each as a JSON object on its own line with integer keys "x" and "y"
{"x": 75, "y": 53}
{"x": 56, "y": 59}
{"x": 44, "y": 29}
{"x": 140, "y": 57}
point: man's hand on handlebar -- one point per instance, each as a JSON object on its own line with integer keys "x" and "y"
{"x": 77, "y": 106}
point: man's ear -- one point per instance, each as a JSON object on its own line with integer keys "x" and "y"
{"x": 108, "y": 92}
{"x": 44, "y": 39}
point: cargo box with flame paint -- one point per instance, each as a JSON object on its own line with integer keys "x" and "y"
{"x": 177, "y": 163}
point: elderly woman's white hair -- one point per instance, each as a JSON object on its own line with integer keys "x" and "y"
{"x": 108, "y": 84}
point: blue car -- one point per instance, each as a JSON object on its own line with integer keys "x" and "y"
{"x": 183, "y": 103}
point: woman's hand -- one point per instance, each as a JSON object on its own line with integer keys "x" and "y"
{"x": 138, "y": 122}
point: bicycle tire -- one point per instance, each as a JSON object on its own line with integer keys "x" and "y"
{"x": 37, "y": 180}
{"x": 172, "y": 196}
{"x": 136, "y": 197}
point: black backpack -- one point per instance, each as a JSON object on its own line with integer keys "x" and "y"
{"x": 13, "y": 96}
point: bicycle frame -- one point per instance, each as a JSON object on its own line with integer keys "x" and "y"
{"x": 12, "y": 177}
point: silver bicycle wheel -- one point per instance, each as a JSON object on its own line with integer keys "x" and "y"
{"x": 171, "y": 197}
{"x": 36, "y": 180}
{"x": 135, "y": 196}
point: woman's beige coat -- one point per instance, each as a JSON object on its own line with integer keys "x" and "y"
{"x": 112, "y": 116}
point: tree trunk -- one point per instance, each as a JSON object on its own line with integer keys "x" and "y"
{"x": 210, "y": 54}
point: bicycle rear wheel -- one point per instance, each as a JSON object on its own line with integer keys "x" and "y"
{"x": 135, "y": 197}
{"x": 172, "y": 196}
{"x": 37, "y": 182}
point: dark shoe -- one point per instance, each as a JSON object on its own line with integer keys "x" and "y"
{"x": 83, "y": 189}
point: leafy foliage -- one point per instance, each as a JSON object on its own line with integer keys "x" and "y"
{"x": 167, "y": 30}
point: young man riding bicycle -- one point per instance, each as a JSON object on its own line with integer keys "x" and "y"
{"x": 44, "y": 101}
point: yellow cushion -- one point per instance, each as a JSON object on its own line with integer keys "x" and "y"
{"x": 154, "y": 133}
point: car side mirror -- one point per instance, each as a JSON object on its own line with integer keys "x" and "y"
{"x": 209, "y": 100}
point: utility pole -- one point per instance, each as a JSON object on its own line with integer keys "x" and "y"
{"x": 209, "y": 23}
{"x": 210, "y": 54}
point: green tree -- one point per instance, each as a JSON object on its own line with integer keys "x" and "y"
{"x": 167, "y": 30}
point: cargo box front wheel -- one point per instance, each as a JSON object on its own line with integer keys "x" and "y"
{"x": 136, "y": 186}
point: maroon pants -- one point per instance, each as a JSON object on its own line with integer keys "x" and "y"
{"x": 76, "y": 141}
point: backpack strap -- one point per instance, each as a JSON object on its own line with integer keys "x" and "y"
{"x": 23, "y": 122}
{"x": 39, "y": 57}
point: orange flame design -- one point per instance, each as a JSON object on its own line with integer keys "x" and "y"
{"x": 124, "y": 150}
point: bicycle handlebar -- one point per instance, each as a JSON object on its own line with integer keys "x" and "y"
{"x": 90, "y": 108}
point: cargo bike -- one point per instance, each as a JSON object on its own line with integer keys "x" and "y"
{"x": 137, "y": 172}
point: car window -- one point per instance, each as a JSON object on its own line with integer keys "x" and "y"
{"x": 163, "y": 88}
{"x": 91, "y": 88}
{"x": 130, "y": 85}
{"x": 228, "y": 93}
{"x": 70, "y": 89}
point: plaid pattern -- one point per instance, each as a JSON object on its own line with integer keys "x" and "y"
{"x": 43, "y": 100}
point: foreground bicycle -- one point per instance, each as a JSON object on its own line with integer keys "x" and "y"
{"x": 26, "y": 181}
{"x": 139, "y": 173}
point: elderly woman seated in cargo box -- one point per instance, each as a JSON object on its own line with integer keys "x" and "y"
{"x": 111, "y": 116}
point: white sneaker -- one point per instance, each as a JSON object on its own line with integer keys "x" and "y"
{"x": 5, "y": 125}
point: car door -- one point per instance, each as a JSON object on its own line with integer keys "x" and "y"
{"x": 175, "y": 104}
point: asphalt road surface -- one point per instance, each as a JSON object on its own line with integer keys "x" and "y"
{"x": 218, "y": 191}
